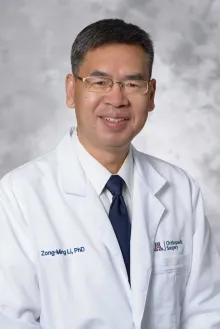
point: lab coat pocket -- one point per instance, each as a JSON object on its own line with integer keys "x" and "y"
{"x": 173, "y": 263}
{"x": 169, "y": 275}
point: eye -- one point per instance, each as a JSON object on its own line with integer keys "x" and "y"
{"x": 132, "y": 84}
{"x": 100, "y": 83}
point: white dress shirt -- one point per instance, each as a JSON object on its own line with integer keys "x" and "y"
{"x": 99, "y": 175}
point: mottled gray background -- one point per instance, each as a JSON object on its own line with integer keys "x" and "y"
{"x": 35, "y": 42}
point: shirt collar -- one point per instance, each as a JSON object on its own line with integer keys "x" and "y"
{"x": 126, "y": 170}
{"x": 97, "y": 173}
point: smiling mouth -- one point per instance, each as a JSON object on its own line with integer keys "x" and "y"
{"x": 113, "y": 119}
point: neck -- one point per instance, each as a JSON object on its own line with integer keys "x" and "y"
{"x": 112, "y": 159}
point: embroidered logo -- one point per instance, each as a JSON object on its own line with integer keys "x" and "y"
{"x": 158, "y": 247}
{"x": 169, "y": 245}
{"x": 64, "y": 252}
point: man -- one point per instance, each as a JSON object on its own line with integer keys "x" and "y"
{"x": 95, "y": 234}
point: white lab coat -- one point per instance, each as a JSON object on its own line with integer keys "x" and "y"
{"x": 60, "y": 260}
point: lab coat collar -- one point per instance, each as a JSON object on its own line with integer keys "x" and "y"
{"x": 71, "y": 179}
{"x": 74, "y": 184}
{"x": 149, "y": 174}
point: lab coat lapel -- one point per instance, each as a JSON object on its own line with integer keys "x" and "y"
{"x": 92, "y": 207}
{"x": 146, "y": 215}
{"x": 82, "y": 196}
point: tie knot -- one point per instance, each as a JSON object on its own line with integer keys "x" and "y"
{"x": 115, "y": 185}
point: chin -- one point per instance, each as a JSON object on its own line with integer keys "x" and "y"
{"x": 116, "y": 142}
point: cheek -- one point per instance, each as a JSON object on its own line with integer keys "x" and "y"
{"x": 140, "y": 109}
{"x": 87, "y": 103}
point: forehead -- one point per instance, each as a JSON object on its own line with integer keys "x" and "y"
{"x": 116, "y": 59}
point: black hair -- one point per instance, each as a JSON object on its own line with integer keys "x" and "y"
{"x": 110, "y": 31}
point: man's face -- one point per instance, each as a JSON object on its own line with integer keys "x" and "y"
{"x": 116, "y": 61}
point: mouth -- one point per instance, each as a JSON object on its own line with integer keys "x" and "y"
{"x": 110, "y": 119}
{"x": 113, "y": 119}
{"x": 114, "y": 124}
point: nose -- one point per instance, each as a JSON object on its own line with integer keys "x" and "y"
{"x": 116, "y": 96}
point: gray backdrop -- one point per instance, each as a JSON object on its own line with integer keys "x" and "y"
{"x": 35, "y": 42}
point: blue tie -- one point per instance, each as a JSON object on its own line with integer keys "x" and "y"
{"x": 118, "y": 216}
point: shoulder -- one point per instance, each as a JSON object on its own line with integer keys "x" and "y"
{"x": 163, "y": 167}
{"x": 29, "y": 174}
{"x": 173, "y": 174}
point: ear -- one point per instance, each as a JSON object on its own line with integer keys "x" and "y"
{"x": 152, "y": 91}
{"x": 70, "y": 91}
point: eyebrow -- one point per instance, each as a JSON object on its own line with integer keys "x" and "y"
{"x": 133, "y": 76}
